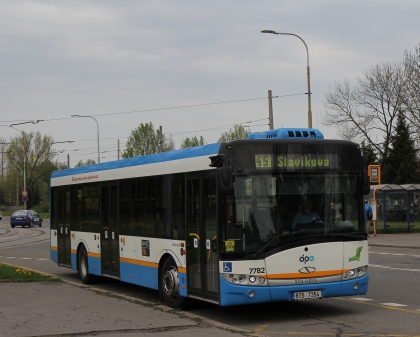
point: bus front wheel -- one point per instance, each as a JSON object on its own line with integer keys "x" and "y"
{"x": 83, "y": 266}
{"x": 169, "y": 286}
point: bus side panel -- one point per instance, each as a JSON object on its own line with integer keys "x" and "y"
{"x": 94, "y": 263}
{"x": 91, "y": 241}
{"x": 54, "y": 245}
{"x": 182, "y": 281}
{"x": 140, "y": 257}
{"x": 149, "y": 276}
{"x": 73, "y": 258}
{"x": 129, "y": 271}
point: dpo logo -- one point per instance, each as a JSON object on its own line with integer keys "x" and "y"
{"x": 304, "y": 258}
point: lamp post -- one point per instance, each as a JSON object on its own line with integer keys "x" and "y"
{"x": 97, "y": 130}
{"x": 308, "y": 72}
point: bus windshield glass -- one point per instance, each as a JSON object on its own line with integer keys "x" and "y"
{"x": 275, "y": 208}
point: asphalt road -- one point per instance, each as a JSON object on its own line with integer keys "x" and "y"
{"x": 391, "y": 307}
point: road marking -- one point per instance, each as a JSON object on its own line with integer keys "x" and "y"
{"x": 261, "y": 328}
{"x": 26, "y": 258}
{"x": 362, "y": 299}
{"x": 396, "y": 254}
{"x": 393, "y": 268}
{"x": 42, "y": 259}
{"x": 416, "y": 311}
{"x": 10, "y": 257}
{"x": 394, "y": 304}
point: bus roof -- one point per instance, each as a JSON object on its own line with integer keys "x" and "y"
{"x": 193, "y": 152}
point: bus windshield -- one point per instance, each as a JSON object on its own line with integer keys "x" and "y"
{"x": 266, "y": 207}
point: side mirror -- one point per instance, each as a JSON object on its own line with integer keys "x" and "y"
{"x": 224, "y": 177}
{"x": 366, "y": 183}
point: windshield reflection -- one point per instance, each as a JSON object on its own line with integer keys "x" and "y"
{"x": 272, "y": 208}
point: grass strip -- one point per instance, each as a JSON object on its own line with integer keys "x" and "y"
{"x": 9, "y": 273}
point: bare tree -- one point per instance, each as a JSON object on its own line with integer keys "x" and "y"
{"x": 367, "y": 112}
{"x": 412, "y": 86}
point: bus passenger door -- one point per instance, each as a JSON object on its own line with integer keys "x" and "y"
{"x": 63, "y": 227}
{"x": 110, "y": 253}
{"x": 202, "y": 257}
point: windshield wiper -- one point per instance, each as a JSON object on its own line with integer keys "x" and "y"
{"x": 259, "y": 251}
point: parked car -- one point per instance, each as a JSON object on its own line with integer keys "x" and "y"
{"x": 25, "y": 218}
{"x": 0, "y": 216}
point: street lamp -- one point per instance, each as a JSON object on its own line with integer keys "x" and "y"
{"x": 97, "y": 130}
{"x": 308, "y": 73}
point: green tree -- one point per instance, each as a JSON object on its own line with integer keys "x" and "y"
{"x": 31, "y": 155}
{"x": 400, "y": 166}
{"x": 145, "y": 140}
{"x": 193, "y": 141}
{"x": 369, "y": 155}
{"x": 238, "y": 132}
{"x": 87, "y": 162}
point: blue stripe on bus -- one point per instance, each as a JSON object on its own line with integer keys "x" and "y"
{"x": 73, "y": 261}
{"x": 192, "y": 152}
{"x": 54, "y": 255}
{"x": 140, "y": 275}
{"x": 232, "y": 294}
{"x": 182, "y": 284}
{"x": 94, "y": 265}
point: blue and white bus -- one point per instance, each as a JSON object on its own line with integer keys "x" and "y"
{"x": 218, "y": 222}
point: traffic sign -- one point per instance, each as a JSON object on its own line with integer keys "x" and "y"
{"x": 24, "y": 193}
{"x": 24, "y": 199}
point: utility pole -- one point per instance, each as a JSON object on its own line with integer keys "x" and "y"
{"x": 270, "y": 110}
{"x": 68, "y": 160}
{"x": 160, "y": 139}
{"x": 118, "y": 151}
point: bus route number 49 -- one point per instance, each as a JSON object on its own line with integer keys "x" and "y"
{"x": 306, "y": 295}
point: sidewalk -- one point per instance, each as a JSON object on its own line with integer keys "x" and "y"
{"x": 65, "y": 309}
{"x": 403, "y": 240}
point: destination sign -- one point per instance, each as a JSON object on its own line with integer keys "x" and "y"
{"x": 296, "y": 161}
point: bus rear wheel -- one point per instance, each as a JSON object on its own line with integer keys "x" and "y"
{"x": 83, "y": 266}
{"x": 169, "y": 285}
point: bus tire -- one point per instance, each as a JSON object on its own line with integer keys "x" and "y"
{"x": 169, "y": 285}
{"x": 83, "y": 266}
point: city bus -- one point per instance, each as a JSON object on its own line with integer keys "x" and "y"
{"x": 218, "y": 222}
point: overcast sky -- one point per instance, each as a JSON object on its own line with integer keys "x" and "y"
{"x": 172, "y": 62}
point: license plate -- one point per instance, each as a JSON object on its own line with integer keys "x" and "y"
{"x": 36, "y": 219}
{"x": 18, "y": 218}
{"x": 306, "y": 295}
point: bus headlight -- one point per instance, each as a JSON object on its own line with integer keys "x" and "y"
{"x": 252, "y": 279}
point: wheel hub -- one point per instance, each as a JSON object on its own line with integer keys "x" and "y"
{"x": 171, "y": 282}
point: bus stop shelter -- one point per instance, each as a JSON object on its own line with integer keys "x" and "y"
{"x": 397, "y": 204}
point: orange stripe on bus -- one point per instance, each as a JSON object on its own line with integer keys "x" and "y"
{"x": 140, "y": 263}
{"x": 54, "y": 248}
{"x": 182, "y": 270}
{"x": 301, "y": 275}
{"x": 74, "y": 251}
{"x": 94, "y": 255}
